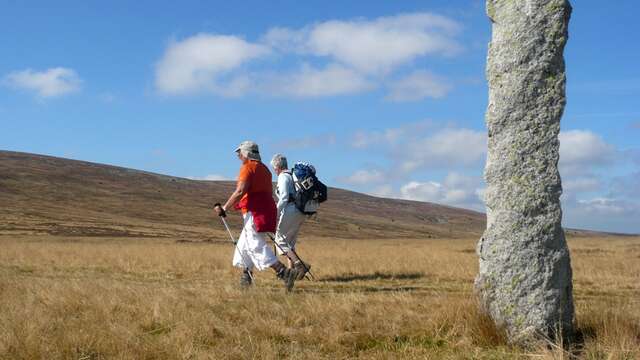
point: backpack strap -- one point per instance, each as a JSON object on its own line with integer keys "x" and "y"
{"x": 292, "y": 196}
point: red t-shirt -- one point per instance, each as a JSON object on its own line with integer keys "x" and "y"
{"x": 259, "y": 197}
{"x": 258, "y": 176}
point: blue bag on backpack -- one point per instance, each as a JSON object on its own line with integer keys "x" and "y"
{"x": 310, "y": 192}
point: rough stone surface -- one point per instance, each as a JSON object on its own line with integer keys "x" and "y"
{"x": 525, "y": 281}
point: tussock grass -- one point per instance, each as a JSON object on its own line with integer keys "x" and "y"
{"x": 390, "y": 299}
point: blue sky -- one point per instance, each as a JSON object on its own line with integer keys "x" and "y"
{"x": 384, "y": 97}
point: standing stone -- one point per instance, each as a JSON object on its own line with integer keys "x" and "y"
{"x": 524, "y": 282}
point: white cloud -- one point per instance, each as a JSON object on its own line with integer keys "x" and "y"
{"x": 372, "y": 46}
{"x": 581, "y": 184}
{"x": 603, "y": 214}
{"x": 212, "y": 63}
{"x": 364, "y": 177}
{"x": 594, "y": 197}
{"x": 456, "y": 190}
{"x": 448, "y": 147}
{"x": 332, "y": 80}
{"x": 418, "y": 145}
{"x": 417, "y": 86}
{"x": 411, "y": 147}
{"x": 581, "y": 150}
{"x": 607, "y": 206}
{"x": 385, "y": 191}
{"x": 199, "y": 62}
{"x": 347, "y": 56}
{"x": 49, "y": 83}
{"x": 423, "y": 191}
{"x": 575, "y": 187}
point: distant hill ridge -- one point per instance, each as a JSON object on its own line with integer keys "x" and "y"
{"x": 49, "y": 195}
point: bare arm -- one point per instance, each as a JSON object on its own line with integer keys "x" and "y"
{"x": 241, "y": 190}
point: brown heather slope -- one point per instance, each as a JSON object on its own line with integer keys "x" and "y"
{"x": 49, "y": 195}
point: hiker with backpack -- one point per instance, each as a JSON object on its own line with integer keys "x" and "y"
{"x": 299, "y": 192}
{"x": 290, "y": 219}
{"x": 253, "y": 197}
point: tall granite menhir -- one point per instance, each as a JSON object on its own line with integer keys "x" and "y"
{"x": 524, "y": 282}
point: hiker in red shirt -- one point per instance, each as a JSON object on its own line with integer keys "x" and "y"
{"x": 253, "y": 196}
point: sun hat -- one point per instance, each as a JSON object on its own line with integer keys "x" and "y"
{"x": 249, "y": 149}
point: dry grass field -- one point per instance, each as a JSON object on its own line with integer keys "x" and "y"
{"x": 106, "y": 262}
{"x": 124, "y": 298}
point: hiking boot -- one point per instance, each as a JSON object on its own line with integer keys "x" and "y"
{"x": 288, "y": 276}
{"x": 302, "y": 268}
{"x": 245, "y": 279}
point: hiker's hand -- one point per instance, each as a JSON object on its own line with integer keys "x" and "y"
{"x": 219, "y": 210}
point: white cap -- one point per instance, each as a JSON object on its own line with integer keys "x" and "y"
{"x": 249, "y": 149}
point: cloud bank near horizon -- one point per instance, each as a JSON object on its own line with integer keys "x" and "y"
{"x": 418, "y": 151}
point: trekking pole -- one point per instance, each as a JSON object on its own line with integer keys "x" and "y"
{"x": 235, "y": 243}
{"x": 306, "y": 269}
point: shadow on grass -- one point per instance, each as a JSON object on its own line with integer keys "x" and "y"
{"x": 391, "y": 289}
{"x": 366, "y": 289}
{"x": 576, "y": 343}
{"x": 375, "y": 276}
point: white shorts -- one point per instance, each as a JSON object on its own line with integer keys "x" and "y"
{"x": 252, "y": 249}
{"x": 289, "y": 225}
